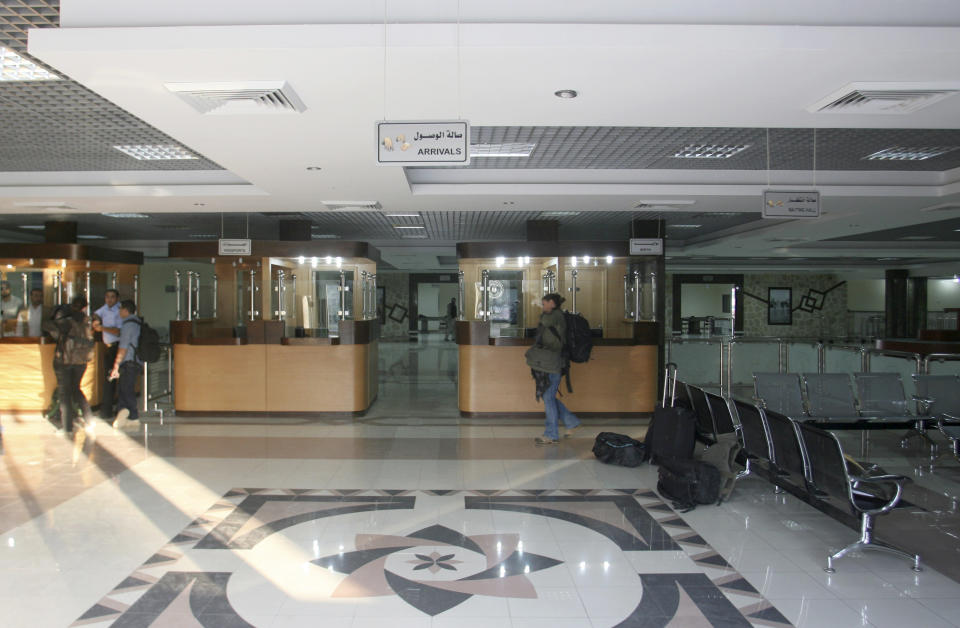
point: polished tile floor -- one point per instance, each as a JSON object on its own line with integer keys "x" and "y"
{"x": 414, "y": 517}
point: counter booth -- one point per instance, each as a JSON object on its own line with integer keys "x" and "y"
{"x": 60, "y": 272}
{"x": 501, "y": 287}
{"x": 290, "y": 329}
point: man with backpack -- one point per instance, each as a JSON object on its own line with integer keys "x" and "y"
{"x": 75, "y": 346}
{"x": 127, "y": 365}
{"x": 547, "y": 363}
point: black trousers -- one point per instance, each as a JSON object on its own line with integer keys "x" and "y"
{"x": 129, "y": 372}
{"x": 68, "y": 386}
{"x": 108, "y": 386}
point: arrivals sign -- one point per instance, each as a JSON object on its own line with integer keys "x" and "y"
{"x": 236, "y": 247}
{"x": 777, "y": 204}
{"x": 646, "y": 246}
{"x": 423, "y": 143}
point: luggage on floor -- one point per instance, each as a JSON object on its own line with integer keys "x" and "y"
{"x": 619, "y": 449}
{"x": 688, "y": 483}
{"x": 672, "y": 432}
{"x": 723, "y": 455}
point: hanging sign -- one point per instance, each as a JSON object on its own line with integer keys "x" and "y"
{"x": 777, "y": 204}
{"x": 646, "y": 246}
{"x": 236, "y": 247}
{"x": 423, "y": 143}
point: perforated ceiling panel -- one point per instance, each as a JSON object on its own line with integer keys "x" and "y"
{"x": 656, "y": 147}
{"x": 61, "y": 125}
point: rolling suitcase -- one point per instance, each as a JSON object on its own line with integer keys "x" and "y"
{"x": 672, "y": 433}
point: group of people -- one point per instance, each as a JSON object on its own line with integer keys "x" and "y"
{"x": 74, "y": 331}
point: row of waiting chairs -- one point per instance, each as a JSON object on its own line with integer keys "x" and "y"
{"x": 803, "y": 459}
{"x": 875, "y": 401}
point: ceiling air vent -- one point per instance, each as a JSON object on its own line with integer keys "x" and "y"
{"x": 243, "y": 97}
{"x": 352, "y": 206}
{"x": 882, "y": 98}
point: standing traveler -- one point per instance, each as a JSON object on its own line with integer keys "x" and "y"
{"x": 107, "y": 321}
{"x": 10, "y": 307}
{"x": 127, "y": 366}
{"x": 448, "y": 320}
{"x": 30, "y": 321}
{"x": 546, "y": 362}
{"x": 75, "y": 346}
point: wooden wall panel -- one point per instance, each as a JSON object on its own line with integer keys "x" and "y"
{"x": 225, "y": 378}
{"x": 28, "y": 381}
{"x": 617, "y": 379}
{"x": 317, "y": 379}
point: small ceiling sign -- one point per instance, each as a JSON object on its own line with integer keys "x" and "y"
{"x": 423, "y": 143}
{"x": 778, "y": 204}
{"x": 646, "y": 246}
{"x": 236, "y": 247}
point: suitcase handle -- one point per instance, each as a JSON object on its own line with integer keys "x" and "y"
{"x": 670, "y": 367}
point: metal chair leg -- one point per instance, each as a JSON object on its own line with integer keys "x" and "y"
{"x": 866, "y": 542}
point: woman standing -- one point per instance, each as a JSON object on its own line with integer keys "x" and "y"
{"x": 75, "y": 346}
{"x": 547, "y": 363}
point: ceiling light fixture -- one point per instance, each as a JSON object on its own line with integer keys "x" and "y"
{"x": 156, "y": 152}
{"x": 409, "y": 227}
{"x": 204, "y": 236}
{"x": 916, "y": 237}
{"x": 414, "y": 236}
{"x": 13, "y": 67}
{"x": 199, "y": 204}
{"x": 710, "y": 151}
{"x": 500, "y": 261}
{"x": 402, "y": 215}
{"x": 557, "y": 214}
{"x": 684, "y": 226}
{"x": 566, "y": 93}
{"x": 32, "y": 227}
{"x": 902, "y": 153}
{"x": 314, "y": 168}
{"x": 124, "y": 215}
{"x": 509, "y": 149}
{"x": 324, "y": 236}
{"x": 652, "y": 202}
{"x": 352, "y": 203}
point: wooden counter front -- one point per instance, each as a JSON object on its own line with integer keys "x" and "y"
{"x": 27, "y": 380}
{"x": 275, "y": 378}
{"x": 617, "y": 381}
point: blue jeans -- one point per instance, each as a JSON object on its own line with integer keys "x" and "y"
{"x": 556, "y": 410}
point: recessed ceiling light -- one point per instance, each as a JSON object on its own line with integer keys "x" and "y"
{"x": 199, "y": 204}
{"x": 13, "y": 67}
{"x": 710, "y": 151}
{"x": 566, "y": 93}
{"x": 414, "y": 237}
{"x": 408, "y": 227}
{"x": 684, "y": 226}
{"x": 352, "y": 203}
{"x": 91, "y": 237}
{"x": 155, "y": 152}
{"x": 916, "y": 238}
{"x": 509, "y": 149}
{"x": 205, "y": 236}
{"x": 557, "y": 214}
{"x": 124, "y": 215}
{"x": 402, "y": 215}
{"x": 314, "y": 168}
{"x": 902, "y": 153}
{"x": 33, "y": 227}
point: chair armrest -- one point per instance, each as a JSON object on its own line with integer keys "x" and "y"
{"x": 890, "y": 477}
{"x": 897, "y": 480}
{"x": 922, "y": 399}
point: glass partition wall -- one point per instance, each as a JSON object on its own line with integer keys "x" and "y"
{"x": 611, "y": 292}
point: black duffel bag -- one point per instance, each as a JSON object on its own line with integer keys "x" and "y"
{"x": 689, "y": 482}
{"x": 618, "y": 449}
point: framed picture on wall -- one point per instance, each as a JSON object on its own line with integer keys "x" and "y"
{"x": 779, "y": 306}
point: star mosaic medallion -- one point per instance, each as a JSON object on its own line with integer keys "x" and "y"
{"x": 260, "y": 553}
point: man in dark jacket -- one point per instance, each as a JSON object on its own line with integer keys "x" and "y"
{"x": 127, "y": 367}
{"x": 546, "y": 361}
{"x": 449, "y": 318}
{"x": 75, "y": 346}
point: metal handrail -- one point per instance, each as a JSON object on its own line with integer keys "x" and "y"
{"x": 938, "y": 357}
{"x": 147, "y": 397}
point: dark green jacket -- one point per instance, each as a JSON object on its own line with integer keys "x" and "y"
{"x": 546, "y": 354}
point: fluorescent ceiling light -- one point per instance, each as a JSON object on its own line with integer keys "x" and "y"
{"x": 509, "y": 149}
{"x": 414, "y": 237}
{"x": 684, "y": 226}
{"x": 901, "y": 153}
{"x": 13, "y": 67}
{"x": 324, "y": 236}
{"x": 710, "y": 151}
{"x": 92, "y": 237}
{"x": 408, "y": 227}
{"x": 155, "y": 152}
{"x": 557, "y": 214}
{"x": 402, "y": 215}
{"x": 124, "y": 215}
{"x": 353, "y": 203}
{"x": 665, "y": 202}
{"x": 36, "y": 227}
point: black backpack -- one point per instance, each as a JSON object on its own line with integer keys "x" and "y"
{"x": 579, "y": 340}
{"x": 148, "y": 345}
{"x": 688, "y": 482}
{"x": 619, "y": 449}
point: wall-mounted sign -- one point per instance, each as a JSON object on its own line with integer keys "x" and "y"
{"x": 236, "y": 247}
{"x": 419, "y": 143}
{"x": 777, "y": 204}
{"x": 646, "y": 246}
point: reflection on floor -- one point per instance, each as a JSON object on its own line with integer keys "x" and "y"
{"x": 415, "y": 517}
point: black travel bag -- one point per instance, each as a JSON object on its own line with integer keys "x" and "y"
{"x": 619, "y": 449}
{"x": 687, "y": 483}
{"x": 673, "y": 431}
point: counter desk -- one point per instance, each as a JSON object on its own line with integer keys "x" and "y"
{"x": 28, "y": 379}
{"x": 620, "y": 380}
{"x": 267, "y": 374}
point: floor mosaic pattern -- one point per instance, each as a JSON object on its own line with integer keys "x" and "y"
{"x": 432, "y": 553}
